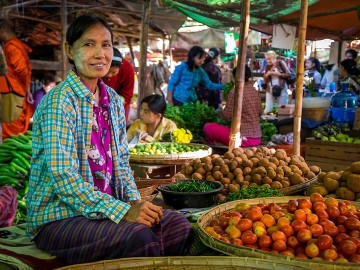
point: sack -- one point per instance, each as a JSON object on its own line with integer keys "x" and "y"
{"x": 276, "y": 90}
{"x": 292, "y": 79}
{"x": 11, "y": 105}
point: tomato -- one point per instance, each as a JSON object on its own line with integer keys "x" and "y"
{"x": 342, "y": 228}
{"x": 324, "y": 221}
{"x": 237, "y": 242}
{"x": 233, "y": 214}
{"x": 272, "y": 229}
{"x": 258, "y": 223}
{"x": 288, "y": 230}
{"x": 224, "y": 239}
{"x": 331, "y": 230}
{"x": 324, "y": 242}
{"x": 316, "y": 230}
{"x": 352, "y": 224}
{"x": 322, "y": 214}
{"x": 268, "y": 220}
{"x": 298, "y": 225}
{"x": 312, "y": 250}
{"x": 302, "y": 256}
{"x": 304, "y": 235}
{"x": 234, "y": 220}
{"x": 355, "y": 258}
{"x": 343, "y": 209}
{"x": 347, "y": 247}
{"x": 279, "y": 235}
{"x": 340, "y": 220}
{"x": 265, "y": 241}
{"x": 274, "y": 208}
{"x": 316, "y": 197}
{"x": 355, "y": 240}
{"x": 312, "y": 219}
{"x": 319, "y": 206}
{"x": 287, "y": 253}
{"x": 279, "y": 245}
{"x": 305, "y": 203}
{"x": 263, "y": 206}
{"x": 331, "y": 202}
{"x": 333, "y": 212}
{"x": 214, "y": 222}
{"x": 293, "y": 242}
{"x": 259, "y": 231}
{"x": 248, "y": 238}
{"x": 255, "y": 215}
{"x": 282, "y": 221}
{"x": 278, "y": 214}
{"x": 355, "y": 233}
{"x": 244, "y": 224}
{"x": 330, "y": 255}
{"x": 300, "y": 215}
{"x": 340, "y": 237}
{"x": 292, "y": 206}
{"x": 224, "y": 222}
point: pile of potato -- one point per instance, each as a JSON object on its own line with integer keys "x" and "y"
{"x": 250, "y": 167}
{"x": 343, "y": 185}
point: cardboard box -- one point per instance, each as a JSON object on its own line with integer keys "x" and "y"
{"x": 286, "y": 111}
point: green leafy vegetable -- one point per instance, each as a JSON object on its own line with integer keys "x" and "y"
{"x": 267, "y": 129}
{"x": 191, "y": 186}
{"x": 254, "y": 192}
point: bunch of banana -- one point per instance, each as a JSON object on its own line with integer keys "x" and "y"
{"x": 15, "y": 156}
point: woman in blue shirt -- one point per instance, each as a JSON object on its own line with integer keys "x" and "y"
{"x": 187, "y": 76}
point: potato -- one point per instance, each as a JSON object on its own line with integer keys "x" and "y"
{"x": 247, "y": 171}
{"x": 229, "y": 155}
{"x": 314, "y": 169}
{"x": 225, "y": 181}
{"x": 230, "y": 175}
{"x": 266, "y": 185}
{"x": 276, "y": 185}
{"x": 232, "y": 188}
{"x": 217, "y": 175}
{"x": 318, "y": 189}
{"x": 215, "y": 169}
{"x": 247, "y": 178}
{"x": 266, "y": 180}
{"x": 345, "y": 194}
{"x": 249, "y": 153}
{"x": 255, "y": 161}
{"x": 239, "y": 178}
{"x": 247, "y": 163}
{"x": 218, "y": 161}
{"x": 264, "y": 162}
{"x": 345, "y": 175}
{"x": 333, "y": 175}
{"x": 189, "y": 169}
{"x": 353, "y": 181}
{"x": 208, "y": 167}
{"x": 179, "y": 176}
{"x": 256, "y": 178}
{"x": 331, "y": 184}
{"x": 355, "y": 167}
{"x": 280, "y": 154}
{"x": 237, "y": 171}
{"x": 253, "y": 185}
{"x": 285, "y": 184}
{"x": 271, "y": 174}
{"x": 310, "y": 175}
{"x": 238, "y": 160}
{"x": 296, "y": 178}
{"x": 321, "y": 177}
{"x": 210, "y": 178}
{"x": 232, "y": 165}
{"x": 201, "y": 170}
{"x": 274, "y": 160}
{"x": 224, "y": 169}
{"x": 272, "y": 166}
{"x": 196, "y": 176}
{"x": 206, "y": 160}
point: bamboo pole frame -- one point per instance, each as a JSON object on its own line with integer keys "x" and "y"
{"x": 300, "y": 77}
{"x": 235, "y": 139}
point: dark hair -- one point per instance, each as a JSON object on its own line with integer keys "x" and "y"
{"x": 350, "y": 66}
{"x": 247, "y": 73}
{"x": 48, "y": 78}
{"x": 156, "y": 103}
{"x": 6, "y": 25}
{"x": 212, "y": 54}
{"x": 329, "y": 67}
{"x": 352, "y": 52}
{"x": 80, "y": 25}
{"x": 316, "y": 62}
{"x": 117, "y": 58}
{"x": 194, "y": 51}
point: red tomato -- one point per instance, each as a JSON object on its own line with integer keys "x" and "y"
{"x": 342, "y": 228}
{"x": 355, "y": 240}
{"x": 340, "y": 237}
{"x": 322, "y": 214}
{"x": 331, "y": 230}
{"x": 298, "y": 225}
{"x": 324, "y": 221}
{"x": 316, "y": 230}
{"x": 347, "y": 247}
{"x": 244, "y": 224}
{"x": 330, "y": 255}
{"x": 340, "y": 220}
{"x": 288, "y": 230}
{"x": 293, "y": 242}
{"x": 316, "y": 197}
{"x": 279, "y": 235}
{"x": 324, "y": 242}
{"x": 333, "y": 212}
{"x": 304, "y": 235}
{"x": 265, "y": 241}
{"x": 355, "y": 258}
{"x": 318, "y": 206}
{"x": 248, "y": 238}
{"x": 214, "y": 222}
{"x": 305, "y": 203}
{"x": 312, "y": 250}
{"x": 352, "y": 224}
{"x": 292, "y": 206}
{"x": 355, "y": 233}
{"x": 279, "y": 245}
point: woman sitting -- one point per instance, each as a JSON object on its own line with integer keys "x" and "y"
{"x": 152, "y": 124}
{"x": 351, "y": 74}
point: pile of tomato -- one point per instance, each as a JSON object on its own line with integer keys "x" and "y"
{"x": 316, "y": 227}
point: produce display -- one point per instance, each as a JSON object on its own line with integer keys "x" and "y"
{"x": 334, "y": 133}
{"x": 157, "y": 148}
{"x": 252, "y": 167}
{"x": 254, "y": 192}
{"x": 315, "y": 228}
{"x": 343, "y": 185}
{"x": 191, "y": 186}
{"x": 15, "y": 155}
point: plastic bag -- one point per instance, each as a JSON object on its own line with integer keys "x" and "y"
{"x": 8, "y": 205}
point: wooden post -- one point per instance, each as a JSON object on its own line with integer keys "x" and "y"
{"x": 63, "y": 38}
{"x": 128, "y": 40}
{"x": 143, "y": 48}
{"x": 235, "y": 140}
{"x": 300, "y": 77}
{"x": 164, "y": 47}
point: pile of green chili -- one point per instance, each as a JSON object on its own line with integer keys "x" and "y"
{"x": 191, "y": 186}
{"x": 254, "y": 192}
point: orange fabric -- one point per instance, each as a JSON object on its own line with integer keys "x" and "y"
{"x": 19, "y": 76}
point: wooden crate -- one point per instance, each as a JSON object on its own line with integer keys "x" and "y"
{"x": 331, "y": 156}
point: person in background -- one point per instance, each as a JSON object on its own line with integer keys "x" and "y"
{"x": 83, "y": 204}
{"x": 18, "y": 78}
{"x": 212, "y": 98}
{"x": 351, "y": 54}
{"x": 48, "y": 83}
{"x": 351, "y": 74}
{"x": 312, "y": 66}
{"x": 276, "y": 71}
{"x": 121, "y": 78}
{"x": 328, "y": 77}
{"x": 152, "y": 124}
{"x": 250, "y": 130}
{"x": 187, "y": 76}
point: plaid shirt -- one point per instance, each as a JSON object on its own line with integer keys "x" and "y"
{"x": 61, "y": 184}
{"x": 251, "y": 111}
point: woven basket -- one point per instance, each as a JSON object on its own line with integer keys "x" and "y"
{"x": 177, "y": 158}
{"x": 316, "y": 114}
{"x": 186, "y": 263}
{"x": 300, "y": 187}
{"x": 241, "y": 251}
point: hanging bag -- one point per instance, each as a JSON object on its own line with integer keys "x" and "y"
{"x": 11, "y": 104}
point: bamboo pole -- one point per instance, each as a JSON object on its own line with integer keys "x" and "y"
{"x": 235, "y": 140}
{"x": 129, "y": 43}
{"x": 143, "y": 48}
{"x": 63, "y": 38}
{"x": 300, "y": 77}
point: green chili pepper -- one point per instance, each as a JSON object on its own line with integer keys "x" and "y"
{"x": 191, "y": 186}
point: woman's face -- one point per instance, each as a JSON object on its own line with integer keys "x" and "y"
{"x": 92, "y": 53}
{"x": 309, "y": 64}
{"x": 343, "y": 72}
{"x": 270, "y": 59}
{"x": 199, "y": 60}
{"x": 147, "y": 116}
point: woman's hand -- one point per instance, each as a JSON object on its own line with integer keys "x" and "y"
{"x": 145, "y": 213}
{"x": 29, "y": 97}
{"x": 142, "y": 135}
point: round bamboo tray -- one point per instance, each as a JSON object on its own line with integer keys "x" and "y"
{"x": 177, "y": 158}
{"x": 300, "y": 187}
{"x": 186, "y": 263}
{"x": 241, "y": 251}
